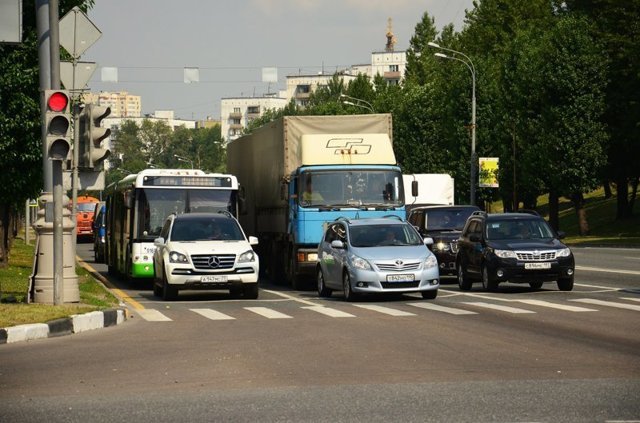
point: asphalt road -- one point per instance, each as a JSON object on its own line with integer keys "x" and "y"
{"x": 510, "y": 356}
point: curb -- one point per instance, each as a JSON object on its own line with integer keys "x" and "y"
{"x": 65, "y": 326}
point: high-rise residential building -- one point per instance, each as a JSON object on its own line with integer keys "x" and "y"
{"x": 122, "y": 103}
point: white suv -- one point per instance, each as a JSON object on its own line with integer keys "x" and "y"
{"x": 204, "y": 251}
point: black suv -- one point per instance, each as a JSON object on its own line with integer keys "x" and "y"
{"x": 444, "y": 224}
{"x": 514, "y": 247}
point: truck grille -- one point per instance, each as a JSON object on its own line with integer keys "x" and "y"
{"x": 213, "y": 261}
{"x": 536, "y": 255}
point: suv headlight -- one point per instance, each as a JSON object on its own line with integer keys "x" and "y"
{"x": 565, "y": 252}
{"x": 431, "y": 261}
{"x": 441, "y": 246}
{"x": 505, "y": 253}
{"x": 247, "y": 257}
{"x": 360, "y": 263}
{"x": 176, "y": 257}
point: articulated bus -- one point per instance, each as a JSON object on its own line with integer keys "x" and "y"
{"x": 138, "y": 205}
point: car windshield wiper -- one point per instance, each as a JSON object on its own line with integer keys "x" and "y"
{"x": 380, "y": 206}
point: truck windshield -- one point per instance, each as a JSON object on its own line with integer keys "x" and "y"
{"x": 351, "y": 188}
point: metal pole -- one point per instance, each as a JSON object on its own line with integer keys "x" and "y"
{"x": 42, "y": 24}
{"x": 473, "y": 138}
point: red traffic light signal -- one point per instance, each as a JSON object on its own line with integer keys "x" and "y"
{"x": 57, "y": 101}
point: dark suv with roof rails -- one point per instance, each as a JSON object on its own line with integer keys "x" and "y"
{"x": 444, "y": 224}
{"x": 514, "y": 247}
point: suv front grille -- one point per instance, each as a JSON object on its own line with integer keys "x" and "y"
{"x": 536, "y": 255}
{"x": 454, "y": 247}
{"x": 394, "y": 267}
{"x": 213, "y": 261}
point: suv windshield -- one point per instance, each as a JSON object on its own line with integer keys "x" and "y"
{"x": 451, "y": 219}
{"x": 383, "y": 235}
{"x": 206, "y": 229}
{"x": 518, "y": 229}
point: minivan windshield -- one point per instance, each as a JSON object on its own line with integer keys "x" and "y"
{"x": 383, "y": 235}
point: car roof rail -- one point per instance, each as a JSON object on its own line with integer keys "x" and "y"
{"x": 225, "y": 212}
{"x": 479, "y": 213}
{"x": 528, "y": 211}
{"x": 393, "y": 216}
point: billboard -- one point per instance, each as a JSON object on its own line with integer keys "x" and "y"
{"x": 489, "y": 172}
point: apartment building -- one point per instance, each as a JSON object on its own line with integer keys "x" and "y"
{"x": 237, "y": 112}
{"x": 122, "y": 103}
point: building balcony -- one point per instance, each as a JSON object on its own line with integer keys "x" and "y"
{"x": 392, "y": 75}
{"x": 235, "y": 115}
{"x": 236, "y": 126}
{"x": 300, "y": 95}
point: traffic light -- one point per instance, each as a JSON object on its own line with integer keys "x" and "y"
{"x": 58, "y": 122}
{"x": 91, "y": 154}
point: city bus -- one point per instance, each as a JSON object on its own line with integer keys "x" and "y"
{"x": 138, "y": 205}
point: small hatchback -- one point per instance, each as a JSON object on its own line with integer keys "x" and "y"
{"x": 375, "y": 256}
{"x": 204, "y": 251}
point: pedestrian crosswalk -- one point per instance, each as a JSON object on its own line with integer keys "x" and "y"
{"x": 401, "y": 309}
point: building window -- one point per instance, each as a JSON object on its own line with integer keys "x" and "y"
{"x": 236, "y": 110}
{"x": 393, "y": 68}
{"x": 303, "y": 89}
{"x": 254, "y": 110}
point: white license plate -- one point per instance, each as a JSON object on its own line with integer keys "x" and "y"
{"x": 216, "y": 279}
{"x": 537, "y": 265}
{"x": 400, "y": 278}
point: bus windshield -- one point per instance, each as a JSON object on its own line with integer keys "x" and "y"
{"x": 154, "y": 205}
{"x": 366, "y": 187}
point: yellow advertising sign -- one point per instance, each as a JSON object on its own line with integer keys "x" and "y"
{"x": 489, "y": 172}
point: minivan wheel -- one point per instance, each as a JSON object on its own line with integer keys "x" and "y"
{"x": 565, "y": 284}
{"x": 487, "y": 283}
{"x": 349, "y": 295}
{"x": 323, "y": 291}
{"x": 430, "y": 295}
{"x": 463, "y": 281}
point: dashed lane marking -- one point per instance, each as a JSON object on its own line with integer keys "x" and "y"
{"x": 600, "y": 269}
{"x": 507, "y": 309}
{"x": 152, "y": 315}
{"x": 268, "y": 313}
{"x": 331, "y": 312}
{"x": 608, "y": 304}
{"x": 556, "y": 306}
{"x": 384, "y": 310}
{"x": 212, "y": 314}
{"x": 436, "y": 307}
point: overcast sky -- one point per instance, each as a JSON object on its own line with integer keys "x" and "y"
{"x": 152, "y": 41}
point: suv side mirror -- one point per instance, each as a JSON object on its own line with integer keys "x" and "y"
{"x": 158, "y": 241}
{"x": 561, "y": 234}
{"x": 475, "y": 238}
{"x": 253, "y": 240}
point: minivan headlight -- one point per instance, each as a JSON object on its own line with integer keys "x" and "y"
{"x": 565, "y": 252}
{"x": 176, "y": 257}
{"x": 360, "y": 263}
{"x": 431, "y": 261}
{"x": 505, "y": 253}
{"x": 247, "y": 257}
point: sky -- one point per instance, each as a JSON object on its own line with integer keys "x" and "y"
{"x": 150, "y": 42}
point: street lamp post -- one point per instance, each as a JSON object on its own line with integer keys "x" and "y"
{"x": 184, "y": 159}
{"x": 352, "y": 101}
{"x": 467, "y": 61}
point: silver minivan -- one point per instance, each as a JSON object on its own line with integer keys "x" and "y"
{"x": 380, "y": 255}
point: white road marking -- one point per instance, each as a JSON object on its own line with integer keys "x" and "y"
{"x": 436, "y": 307}
{"x": 554, "y": 305}
{"x": 385, "y": 310}
{"x": 331, "y": 312}
{"x": 290, "y": 297}
{"x": 268, "y": 313}
{"x": 631, "y": 299}
{"x": 152, "y": 315}
{"x": 212, "y": 314}
{"x": 501, "y": 308}
{"x": 600, "y": 269}
{"x": 608, "y": 304}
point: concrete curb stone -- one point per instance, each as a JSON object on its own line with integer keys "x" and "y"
{"x": 65, "y": 326}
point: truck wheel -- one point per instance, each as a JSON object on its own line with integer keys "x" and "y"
{"x": 250, "y": 290}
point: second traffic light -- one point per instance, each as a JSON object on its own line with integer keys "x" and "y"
{"x": 92, "y": 154}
